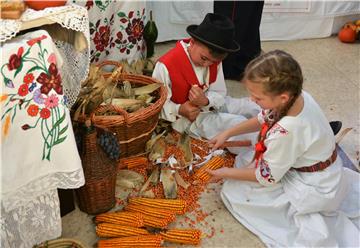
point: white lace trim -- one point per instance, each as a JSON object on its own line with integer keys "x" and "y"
{"x": 73, "y": 71}
{"x": 28, "y": 225}
{"x": 72, "y": 17}
{"x": 27, "y": 193}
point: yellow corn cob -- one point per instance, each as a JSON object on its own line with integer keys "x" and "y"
{"x": 213, "y": 164}
{"x": 134, "y": 241}
{"x": 182, "y": 236}
{"x": 178, "y": 206}
{"x": 121, "y": 218}
{"x": 154, "y": 212}
{"x": 133, "y": 162}
{"x": 110, "y": 230}
{"x": 151, "y": 221}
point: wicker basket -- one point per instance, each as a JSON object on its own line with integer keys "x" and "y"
{"x": 133, "y": 129}
{"x": 98, "y": 193}
{"x": 61, "y": 243}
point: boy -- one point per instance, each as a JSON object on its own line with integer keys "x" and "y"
{"x": 192, "y": 72}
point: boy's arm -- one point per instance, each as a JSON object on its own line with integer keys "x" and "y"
{"x": 217, "y": 90}
{"x": 170, "y": 109}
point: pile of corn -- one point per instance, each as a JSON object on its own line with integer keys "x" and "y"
{"x": 130, "y": 228}
{"x": 158, "y": 213}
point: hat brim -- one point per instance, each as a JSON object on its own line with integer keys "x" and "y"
{"x": 234, "y": 46}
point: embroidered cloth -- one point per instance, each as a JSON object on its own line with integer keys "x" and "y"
{"x": 38, "y": 147}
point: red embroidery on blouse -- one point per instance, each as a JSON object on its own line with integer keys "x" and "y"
{"x": 260, "y": 147}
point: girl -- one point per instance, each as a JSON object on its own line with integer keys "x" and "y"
{"x": 295, "y": 191}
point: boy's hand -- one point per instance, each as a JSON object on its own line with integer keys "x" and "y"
{"x": 197, "y": 96}
{"x": 189, "y": 110}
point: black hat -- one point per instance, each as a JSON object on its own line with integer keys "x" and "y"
{"x": 217, "y": 31}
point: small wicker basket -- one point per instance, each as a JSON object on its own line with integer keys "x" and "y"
{"x": 133, "y": 129}
{"x": 61, "y": 243}
{"x": 98, "y": 193}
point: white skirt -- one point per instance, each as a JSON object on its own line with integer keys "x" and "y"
{"x": 304, "y": 209}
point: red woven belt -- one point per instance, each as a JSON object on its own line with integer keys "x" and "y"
{"x": 319, "y": 166}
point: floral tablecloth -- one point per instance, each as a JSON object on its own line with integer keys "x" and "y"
{"x": 116, "y": 29}
{"x": 38, "y": 147}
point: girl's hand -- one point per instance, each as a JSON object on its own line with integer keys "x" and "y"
{"x": 217, "y": 141}
{"x": 218, "y": 174}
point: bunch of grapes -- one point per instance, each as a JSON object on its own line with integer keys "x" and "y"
{"x": 109, "y": 144}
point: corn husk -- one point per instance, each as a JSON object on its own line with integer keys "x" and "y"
{"x": 169, "y": 184}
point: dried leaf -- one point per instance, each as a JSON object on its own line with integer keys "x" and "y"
{"x": 148, "y": 89}
{"x": 180, "y": 180}
{"x": 129, "y": 179}
{"x": 185, "y": 145}
{"x": 169, "y": 184}
{"x": 158, "y": 150}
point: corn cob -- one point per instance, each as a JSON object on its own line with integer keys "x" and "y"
{"x": 213, "y": 164}
{"x": 151, "y": 221}
{"x": 134, "y": 241}
{"x": 178, "y": 206}
{"x": 154, "y": 212}
{"x": 110, "y": 230}
{"x": 133, "y": 162}
{"x": 182, "y": 236}
{"x": 122, "y": 218}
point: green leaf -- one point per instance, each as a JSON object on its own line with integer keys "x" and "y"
{"x": 18, "y": 69}
{"x": 58, "y": 122}
{"x": 58, "y": 141}
{"x": 63, "y": 130}
{"x": 7, "y": 111}
{"x": 33, "y": 69}
{"x": 121, "y": 14}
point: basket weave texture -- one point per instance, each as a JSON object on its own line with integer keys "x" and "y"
{"x": 133, "y": 129}
{"x": 61, "y": 243}
{"x": 98, "y": 193}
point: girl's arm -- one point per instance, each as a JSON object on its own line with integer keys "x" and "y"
{"x": 243, "y": 174}
{"x": 248, "y": 126}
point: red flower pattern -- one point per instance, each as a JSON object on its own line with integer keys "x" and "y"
{"x": 28, "y": 78}
{"x": 35, "y": 40}
{"x": 102, "y": 38}
{"x": 23, "y": 90}
{"x": 50, "y": 81}
{"x": 89, "y": 4}
{"x": 33, "y": 110}
{"x": 15, "y": 59}
{"x": 135, "y": 30}
{"x": 45, "y": 113}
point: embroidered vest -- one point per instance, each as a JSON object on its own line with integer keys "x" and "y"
{"x": 182, "y": 74}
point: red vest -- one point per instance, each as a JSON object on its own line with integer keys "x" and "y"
{"x": 182, "y": 74}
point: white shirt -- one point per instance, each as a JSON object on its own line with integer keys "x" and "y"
{"x": 216, "y": 92}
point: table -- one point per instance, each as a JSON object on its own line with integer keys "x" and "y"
{"x": 38, "y": 147}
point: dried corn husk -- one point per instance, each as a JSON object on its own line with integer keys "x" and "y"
{"x": 169, "y": 184}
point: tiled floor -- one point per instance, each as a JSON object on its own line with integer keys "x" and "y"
{"x": 332, "y": 75}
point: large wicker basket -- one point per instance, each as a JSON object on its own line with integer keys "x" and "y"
{"x": 98, "y": 193}
{"x": 133, "y": 129}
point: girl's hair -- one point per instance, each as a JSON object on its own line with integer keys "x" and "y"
{"x": 278, "y": 72}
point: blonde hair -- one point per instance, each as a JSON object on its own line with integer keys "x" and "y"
{"x": 279, "y": 73}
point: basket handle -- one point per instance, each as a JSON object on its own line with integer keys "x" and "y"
{"x": 110, "y": 62}
{"x": 103, "y": 108}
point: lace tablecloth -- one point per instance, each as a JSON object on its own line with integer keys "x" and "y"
{"x": 38, "y": 147}
{"x": 116, "y": 29}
